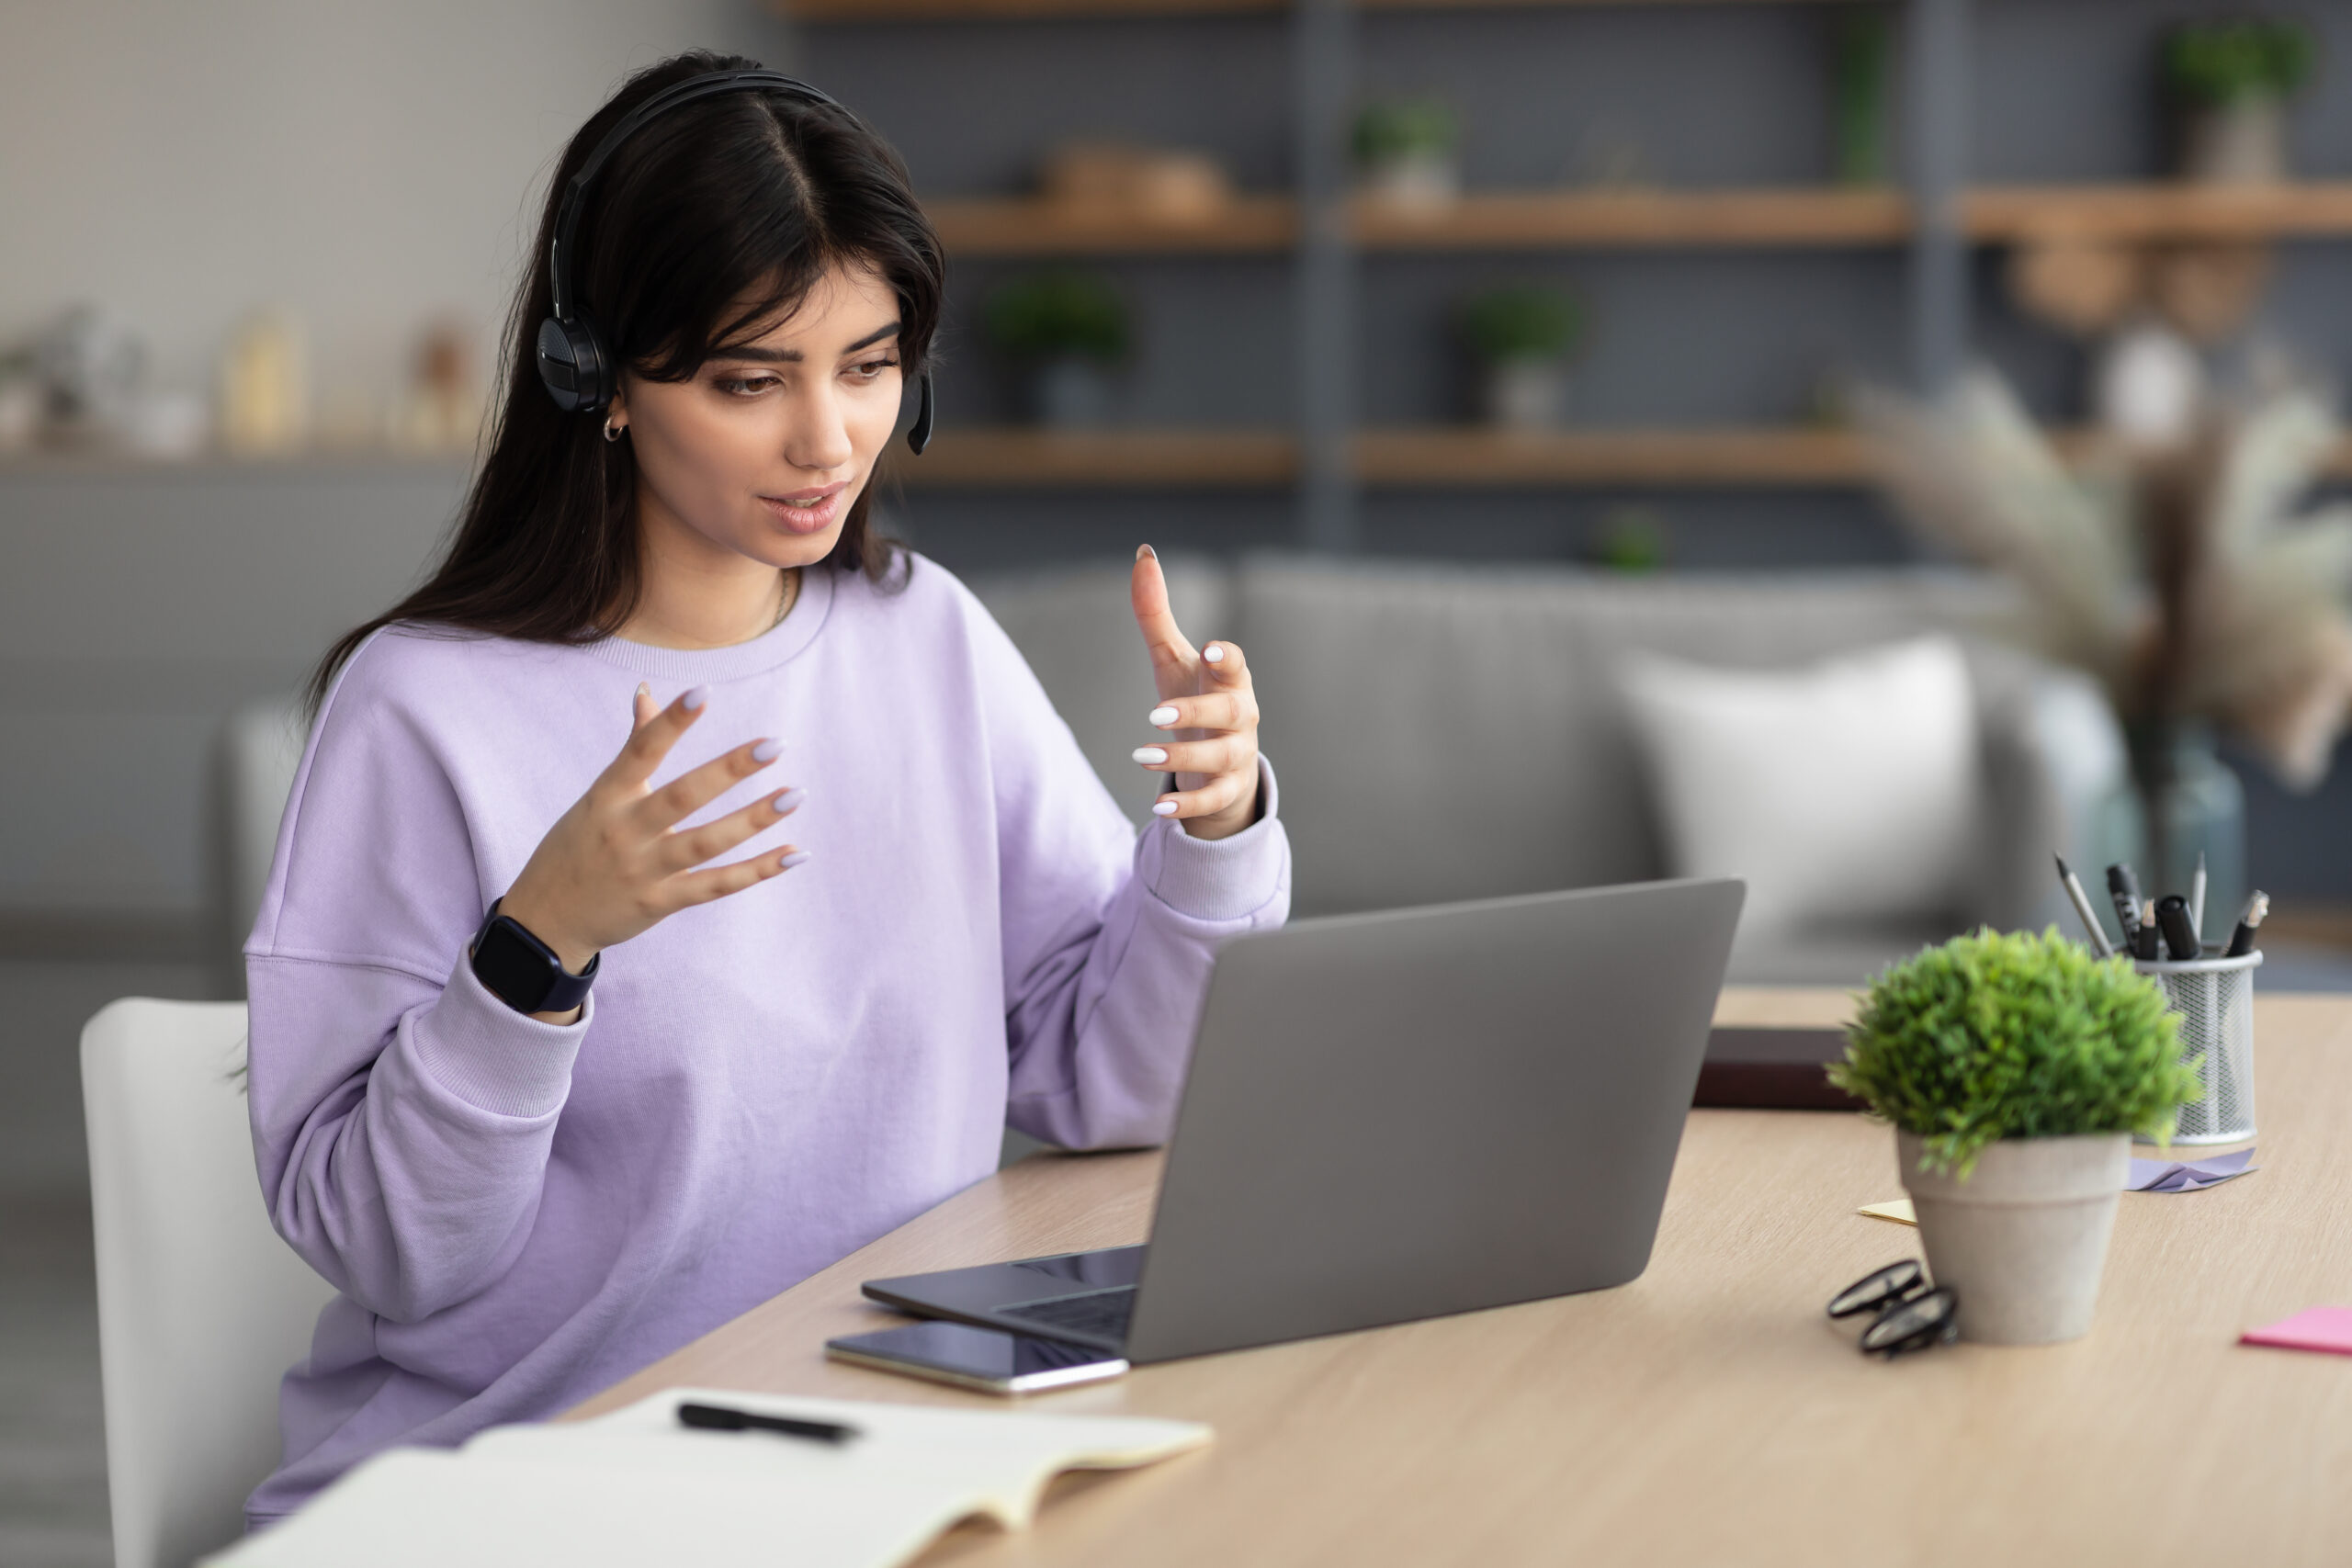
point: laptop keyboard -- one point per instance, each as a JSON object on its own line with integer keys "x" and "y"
{"x": 1104, "y": 1313}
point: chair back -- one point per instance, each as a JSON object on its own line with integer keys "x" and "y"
{"x": 201, "y": 1306}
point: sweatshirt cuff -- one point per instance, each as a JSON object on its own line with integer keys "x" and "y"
{"x": 1223, "y": 879}
{"x": 492, "y": 1057}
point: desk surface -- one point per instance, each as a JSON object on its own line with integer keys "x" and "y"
{"x": 1707, "y": 1413}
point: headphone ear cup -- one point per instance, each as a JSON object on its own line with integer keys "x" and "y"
{"x": 572, "y": 366}
{"x": 919, "y": 433}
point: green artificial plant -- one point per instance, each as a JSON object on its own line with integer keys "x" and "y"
{"x": 1995, "y": 1035}
{"x": 2218, "y": 63}
{"x": 1404, "y": 127}
{"x": 1059, "y": 314}
{"x": 1521, "y": 322}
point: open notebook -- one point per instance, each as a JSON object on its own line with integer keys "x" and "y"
{"x": 634, "y": 1488}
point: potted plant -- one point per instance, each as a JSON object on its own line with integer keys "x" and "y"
{"x": 2015, "y": 1069}
{"x": 2230, "y": 81}
{"x": 1405, "y": 148}
{"x": 1066, "y": 331}
{"x": 1522, "y": 336}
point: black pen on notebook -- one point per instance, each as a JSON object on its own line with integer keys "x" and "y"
{"x": 720, "y": 1418}
{"x": 2083, "y": 910}
{"x": 2258, "y": 909}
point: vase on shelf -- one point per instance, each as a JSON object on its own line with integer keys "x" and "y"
{"x": 2180, "y": 801}
{"x": 2242, "y": 141}
{"x": 1071, "y": 392}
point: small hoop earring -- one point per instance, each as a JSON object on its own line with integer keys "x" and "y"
{"x": 612, "y": 431}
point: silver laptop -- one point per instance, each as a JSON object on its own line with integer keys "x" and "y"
{"x": 1399, "y": 1115}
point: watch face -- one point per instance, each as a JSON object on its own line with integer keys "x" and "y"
{"x": 513, "y": 968}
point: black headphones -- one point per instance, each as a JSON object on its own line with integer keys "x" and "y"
{"x": 573, "y": 365}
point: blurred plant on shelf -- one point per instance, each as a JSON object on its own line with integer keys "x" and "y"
{"x": 1632, "y": 540}
{"x": 1407, "y": 153}
{"x": 2175, "y": 567}
{"x": 1522, "y": 336}
{"x": 2229, "y": 80}
{"x": 81, "y": 384}
{"x": 1111, "y": 181}
{"x": 264, "y": 388}
{"x": 1860, "y": 66}
{"x": 1065, "y": 331}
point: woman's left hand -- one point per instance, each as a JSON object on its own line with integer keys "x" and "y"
{"x": 1205, "y": 699}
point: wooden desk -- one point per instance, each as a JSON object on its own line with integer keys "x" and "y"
{"x": 1707, "y": 1413}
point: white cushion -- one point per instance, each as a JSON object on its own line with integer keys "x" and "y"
{"x": 1845, "y": 791}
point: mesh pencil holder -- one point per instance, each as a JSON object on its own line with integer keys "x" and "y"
{"x": 2214, "y": 996}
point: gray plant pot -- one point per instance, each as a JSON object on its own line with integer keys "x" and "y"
{"x": 1071, "y": 393}
{"x": 1526, "y": 394}
{"x": 2242, "y": 141}
{"x": 2023, "y": 1240}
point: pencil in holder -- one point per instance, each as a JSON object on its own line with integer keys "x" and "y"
{"x": 2214, "y": 996}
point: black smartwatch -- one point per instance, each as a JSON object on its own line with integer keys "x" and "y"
{"x": 523, "y": 971}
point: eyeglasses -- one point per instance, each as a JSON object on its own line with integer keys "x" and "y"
{"x": 1911, "y": 1317}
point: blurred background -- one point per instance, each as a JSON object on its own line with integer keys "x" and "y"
{"x": 1580, "y": 400}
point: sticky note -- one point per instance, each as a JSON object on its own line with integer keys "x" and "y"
{"x": 2313, "y": 1328}
{"x": 1899, "y": 1211}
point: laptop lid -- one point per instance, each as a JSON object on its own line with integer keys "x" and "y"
{"x": 1397, "y": 1115}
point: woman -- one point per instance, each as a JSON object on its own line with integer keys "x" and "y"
{"x": 562, "y": 1056}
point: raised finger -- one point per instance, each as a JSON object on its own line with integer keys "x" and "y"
{"x": 1221, "y": 754}
{"x": 642, "y": 707}
{"x": 1225, "y": 666}
{"x": 1147, "y": 592}
{"x": 1216, "y": 710}
{"x": 697, "y": 787}
{"x": 652, "y": 740}
{"x": 702, "y": 886}
{"x": 689, "y": 847}
{"x": 1207, "y": 801}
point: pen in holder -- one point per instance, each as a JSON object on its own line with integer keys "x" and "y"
{"x": 2214, "y": 996}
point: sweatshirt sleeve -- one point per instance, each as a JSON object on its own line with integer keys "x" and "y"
{"x": 1108, "y": 936}
{"x": 401, "y": 1114}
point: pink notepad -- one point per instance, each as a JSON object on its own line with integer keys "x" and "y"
{"x": 2315, "y": 1328}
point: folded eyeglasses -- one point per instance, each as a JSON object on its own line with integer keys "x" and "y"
{"x": 1911, "y": 1315}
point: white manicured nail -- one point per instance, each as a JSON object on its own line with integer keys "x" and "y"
{"x": 1162, "y": 717}
{"x": 767, "y": 751}
{"x": 1163, "y": 809}
{"x": 797, "y": 857}
{"x": 1214, "y": 654}
{"x": 1150, "y": 754}
{"x": 694, "y": 697}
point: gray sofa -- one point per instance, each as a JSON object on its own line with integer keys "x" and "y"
{"x": 1446, "y": 731}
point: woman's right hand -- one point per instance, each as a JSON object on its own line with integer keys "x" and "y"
{"x": 615, "y": 863}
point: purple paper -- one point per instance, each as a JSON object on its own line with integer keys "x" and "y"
{"x": 2186, "y": 1175}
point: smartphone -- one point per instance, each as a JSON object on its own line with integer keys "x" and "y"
{"x": 989, "y": 1359}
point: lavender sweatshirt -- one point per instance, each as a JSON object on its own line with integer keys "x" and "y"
{"x": 518, "y": 1215}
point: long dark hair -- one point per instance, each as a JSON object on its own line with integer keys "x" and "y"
{"x": 715, "y": 218}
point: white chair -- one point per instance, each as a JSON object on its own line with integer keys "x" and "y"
{"x": 201, "y": 1306}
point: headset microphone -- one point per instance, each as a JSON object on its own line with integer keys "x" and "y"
{"x": 574, "y": 364}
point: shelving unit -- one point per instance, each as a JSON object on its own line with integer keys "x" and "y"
{"x": 1326, "y": 231}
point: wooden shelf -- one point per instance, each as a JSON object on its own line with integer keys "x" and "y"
{"x": 2159, "y": 211}
{"x": 1571, "y": 220}
{"x": 1023, "y": 459}
{"x": 1822, "y": 216}
{"x": 1034, "y": 227}
{"x": 1709, "y": 458}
